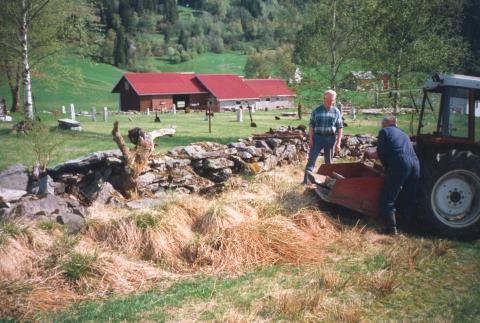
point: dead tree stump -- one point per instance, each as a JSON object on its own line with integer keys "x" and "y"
{"x": 137, "y": 159}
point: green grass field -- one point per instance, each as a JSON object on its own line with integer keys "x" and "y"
{"x": 190, "y": 128}
{"x": 206, "y": 63}
{"x": 77, "y": 80}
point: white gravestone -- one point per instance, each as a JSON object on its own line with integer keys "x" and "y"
{"x": 174, "y": 109}
{"x": 72, "y": 111}
{"x": 148, "y": 111}
{"x": 105, "y": 114}
{"x": 239, "y": 115}
{"x": 94, "y": 114}
{"x": 64, "y": 111}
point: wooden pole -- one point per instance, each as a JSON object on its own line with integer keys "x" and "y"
{"x": 209, "y": 119}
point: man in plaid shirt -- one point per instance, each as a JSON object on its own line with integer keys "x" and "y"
{"x": 326, "y": 130}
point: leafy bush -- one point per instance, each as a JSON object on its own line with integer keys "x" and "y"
{"x": 44, "y": 143}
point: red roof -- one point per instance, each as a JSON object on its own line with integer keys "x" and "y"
{"x": 163, "y": 83}
{"x": 270, "y": 87}
{"x": 227, "y": 87}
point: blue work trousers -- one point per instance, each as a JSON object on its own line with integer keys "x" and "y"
{"x": 325, "y": 142}
{"x": 404, "y": 176}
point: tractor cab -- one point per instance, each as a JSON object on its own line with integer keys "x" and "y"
{"x": 450, "y": 114}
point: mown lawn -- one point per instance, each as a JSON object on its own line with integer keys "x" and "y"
{"x": 190, "y": 128}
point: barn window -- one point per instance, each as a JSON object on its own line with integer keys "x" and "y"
{"x": 127, "y": 86}
{"x": 238, "y": 102}
{"x": 267, "y": 99}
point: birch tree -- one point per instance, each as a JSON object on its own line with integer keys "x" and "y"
{"x": 33, "y": 32}
{"x": 330, "y": 36}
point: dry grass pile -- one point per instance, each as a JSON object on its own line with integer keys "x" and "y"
{"x": 121, "y": 251}
{"x": 265, "y": 241}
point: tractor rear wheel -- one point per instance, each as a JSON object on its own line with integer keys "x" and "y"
{"x": 451, "y": 195}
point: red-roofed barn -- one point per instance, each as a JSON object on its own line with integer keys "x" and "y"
{"x": 228, "y": 91}
{"x": 273, "y": 93}
{"x": 160, "y": 91}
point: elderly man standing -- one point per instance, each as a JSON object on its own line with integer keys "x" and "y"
{"x": 402, "y": 172}
{"x": 326, "y": 129}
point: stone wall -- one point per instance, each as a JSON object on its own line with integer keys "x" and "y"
{"x": 200, "y": 167}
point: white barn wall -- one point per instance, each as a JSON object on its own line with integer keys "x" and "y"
{"x": 233, "y": 105}
{"x": 281, "y": 102}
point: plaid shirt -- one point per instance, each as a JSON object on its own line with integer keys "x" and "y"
{"x": 326, "y": 122}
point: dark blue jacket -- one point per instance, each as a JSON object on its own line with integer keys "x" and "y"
{"x": 395, "y": 149}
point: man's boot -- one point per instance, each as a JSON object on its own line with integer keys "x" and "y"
{"x": 390, "y": 224}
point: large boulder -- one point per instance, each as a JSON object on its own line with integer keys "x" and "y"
{"x": 87, "y": 163}
{"x": 217, "y": 163}
{"x": 15, "y": 178}
{"x": 72, "y": 221}
{"x": 9, "y": 195}
{"x": 32, "y": 207}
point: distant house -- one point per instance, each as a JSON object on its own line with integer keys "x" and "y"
{"x": 222, "y": 92}
{"x": 366, "y": 80}
{"x": 273, "y": 93}
{"x": 160, "y": 91}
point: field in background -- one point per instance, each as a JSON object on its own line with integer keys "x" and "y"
{"x": 208, "y": 63}
{"x": 190, "y": 128}
{"x": 85, "y": 83}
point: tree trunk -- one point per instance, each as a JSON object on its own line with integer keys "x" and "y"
{"x": 15, "y": 98}
{"x": 14, "y": 77}
{"x": 27, "y": 83}
{"x": 396, "y": 97}
{"x": 137, "y": 159}
{"x": 333, "y": 48}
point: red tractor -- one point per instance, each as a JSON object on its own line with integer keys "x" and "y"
{"x": 448, "y": 147}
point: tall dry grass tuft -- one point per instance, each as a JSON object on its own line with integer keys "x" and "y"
{"x": 266, "y": 241}
{"x": 158, "y": 236}
{"x": 21, "y": 299}
{"x": 381, "y": 283}
{"x": 218, "y": 217}
{"x": 297, "y": 304}
{"x": 316, "y": 223}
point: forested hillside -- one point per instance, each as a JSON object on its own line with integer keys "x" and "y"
{"x": 259, "y": 38}
{"x": 135, "y": 30}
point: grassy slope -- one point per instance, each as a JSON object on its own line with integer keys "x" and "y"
{"x": 410, "y": 279}
{"x": 205, "y": 63}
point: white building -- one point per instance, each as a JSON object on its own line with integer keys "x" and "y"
{"x": 272, "y": 93}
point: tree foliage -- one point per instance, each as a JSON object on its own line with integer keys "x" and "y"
{"x": 415, "y": 35}
{"x": 331, "y": 35}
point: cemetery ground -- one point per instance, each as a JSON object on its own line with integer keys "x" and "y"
{"x": 265, "y": 249}
{"x": 191, "y": 127}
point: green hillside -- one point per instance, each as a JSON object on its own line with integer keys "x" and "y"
{"x": 73, "y": 79}
{"x": 205, "y": 63}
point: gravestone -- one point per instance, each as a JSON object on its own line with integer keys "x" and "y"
{"x": 148, "y": 111}
{"x": 239, "y": 115}
{"x": 105, "y": 114}
{"x": 72, "y": 112}
{"x": 69, "y": 124}
{"x": 94, "y": 114}
{"x": 64, "y": 111}
{"x": 174, "y": 109}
